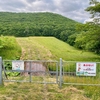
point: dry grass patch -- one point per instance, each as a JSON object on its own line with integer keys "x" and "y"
{"x": 30, "y": 91}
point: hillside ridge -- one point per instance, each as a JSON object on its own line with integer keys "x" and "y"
{"x": 36, "y": 24}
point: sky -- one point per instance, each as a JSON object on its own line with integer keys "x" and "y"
{"x": 73, "y": 9}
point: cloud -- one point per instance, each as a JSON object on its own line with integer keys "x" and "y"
{"x": 66, "y": 5}
{"x": 12, "y": 5}
{"x": 73, "y": 9}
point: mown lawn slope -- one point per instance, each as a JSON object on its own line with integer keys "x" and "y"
{"x": 50, "y": 48}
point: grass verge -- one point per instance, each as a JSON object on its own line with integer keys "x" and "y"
{"x": 10, "y": 49}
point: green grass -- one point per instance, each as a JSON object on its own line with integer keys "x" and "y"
{"x": 10, "y": 48}
{"x": 30, "y": 91}
{"x": 42, "y": 48}
{"x": 92, "y": 92}
{"x": 47, "y": 48}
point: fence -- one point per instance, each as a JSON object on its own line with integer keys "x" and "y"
{"x": 50, "y": 72}
{"x": 81, "y": 73}
{"x": 30, "y": 71}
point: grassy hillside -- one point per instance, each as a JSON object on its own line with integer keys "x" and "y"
{"x": 42, "y": 48}
{"x": 46, "y": 48}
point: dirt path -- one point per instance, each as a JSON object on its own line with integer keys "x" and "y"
{"x": 32, "y": 50}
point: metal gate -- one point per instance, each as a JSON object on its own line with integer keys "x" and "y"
{"x": 37, "y": 71}
{"x": 50, "y": 72}
{"x": 80, "y": 73}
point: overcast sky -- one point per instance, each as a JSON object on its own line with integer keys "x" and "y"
{"x": 73, "y": 9}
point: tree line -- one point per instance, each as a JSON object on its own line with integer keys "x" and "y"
{"x": 36, "y": 24}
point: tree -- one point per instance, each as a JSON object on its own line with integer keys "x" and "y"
{"x": 94, "y": 9}
{"x": 89, "y": 37}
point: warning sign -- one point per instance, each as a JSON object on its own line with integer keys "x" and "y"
{"x": 85, "y": 69}
{"x": 18, "y": 65}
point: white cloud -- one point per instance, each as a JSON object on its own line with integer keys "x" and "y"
{"x": 73, "y": 9}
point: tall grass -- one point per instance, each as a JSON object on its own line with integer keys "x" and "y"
{"x": 10, "y": 49}
{"x": 92, "y": 92}
{"x": 31, "y": 91}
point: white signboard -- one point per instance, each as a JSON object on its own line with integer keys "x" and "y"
{"x": 85, "y": 69}
{"x": 18, "y": 65}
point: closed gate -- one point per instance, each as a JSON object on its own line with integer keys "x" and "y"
{"x": 36, "y": 71}
{"x": 81, "y": 73}
{"x": 51, "y": 72}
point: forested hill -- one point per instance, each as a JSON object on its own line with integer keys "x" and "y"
{"x": 36, "y": 24}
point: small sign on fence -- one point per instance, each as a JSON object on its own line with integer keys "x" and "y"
{"x": 17, "y": 65}
{"x": 85, "y": 69}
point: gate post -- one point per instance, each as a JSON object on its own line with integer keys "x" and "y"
{"x": 1, "y": 71}
{"x": 60, "y": 78}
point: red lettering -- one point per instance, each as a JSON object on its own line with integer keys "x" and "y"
{"x": 91, "y": 65}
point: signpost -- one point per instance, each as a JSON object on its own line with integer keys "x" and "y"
{"x": 18, "y": 65}
{"x": 85, "y": 69}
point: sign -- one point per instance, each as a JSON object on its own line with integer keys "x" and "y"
{"x": 85, "y": 69}
{"x": 18, "y": 65}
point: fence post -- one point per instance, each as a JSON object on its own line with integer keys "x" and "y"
{"x": 1, "y": 71}
{"x": 30, "y": 79}
{"x": 60, "y": 80}
{"x": 57, "y": 64}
